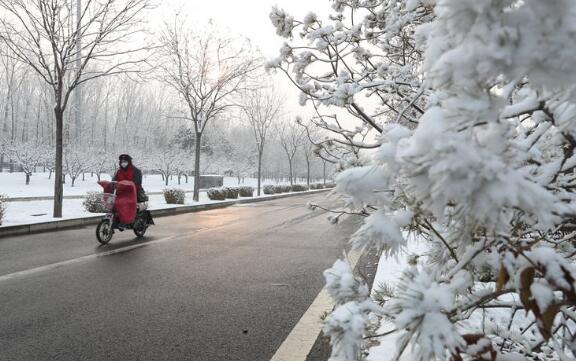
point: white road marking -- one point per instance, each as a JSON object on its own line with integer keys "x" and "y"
{"x": 55, "y": 265}
{"x": 301, "y": 339}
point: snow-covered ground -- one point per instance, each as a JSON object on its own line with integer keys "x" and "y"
{"x": 13, "y": 184}
{"x": 388, "y": 272}
{"x": 40, "y": 211}
{"x": 29, "y": 212}
{"x": 37, "y": 211}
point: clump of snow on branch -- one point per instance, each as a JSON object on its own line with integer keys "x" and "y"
{"x": 283, "y": 22}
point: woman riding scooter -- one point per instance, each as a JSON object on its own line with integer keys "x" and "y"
{"x": 125, "y": 201}
{"x": 127, "y": 171}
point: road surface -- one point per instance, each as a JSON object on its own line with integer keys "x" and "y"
{"x": 226, "y": 284}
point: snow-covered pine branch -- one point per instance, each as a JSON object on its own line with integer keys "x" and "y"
{"x": 474, "y": 103}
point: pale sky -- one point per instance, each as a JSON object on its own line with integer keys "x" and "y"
{"x": 248, "y": 18}
{"x": 245, "y": 17}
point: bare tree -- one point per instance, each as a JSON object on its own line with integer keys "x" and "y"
{"x": 28, "y": 155}
{"x": 77, "y": 161}
{"x": 291, "y": 137}
{"x": 48, "y": 35}
{"x": 262, "y": 108}
{"x": 167, "y": 160}
{"x": 208, "y": 72}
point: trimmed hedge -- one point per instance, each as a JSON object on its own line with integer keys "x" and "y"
{"x": 216, "y": 194}
{"x": 281, "y": 189}
{"x": 246, "y": 191}
{"x": 299, "y": 188}
{"x": 220, "y": 194}
{"x": 3, "y": 205}
{"x": 93, "y": 203}
{"x": 174, "y": 196}
{"x": 231, "y": 192}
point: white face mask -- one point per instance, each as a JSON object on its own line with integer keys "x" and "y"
{"x": 124, "y": 164}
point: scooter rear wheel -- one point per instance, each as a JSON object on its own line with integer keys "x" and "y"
{"x": 104, "y": 231}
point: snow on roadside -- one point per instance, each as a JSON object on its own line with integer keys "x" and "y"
{"x": 30, "y": 212}
{"x": 12, "y": 184}
{"x": 388, "y": 272}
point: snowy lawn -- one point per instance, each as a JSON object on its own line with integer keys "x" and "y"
{"x": 13, "y": 184}
{"x": 40, "y": 211}
{"x": 29, "y": 212}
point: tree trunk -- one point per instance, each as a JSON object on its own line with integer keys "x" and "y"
{"x": 196, "y": 194}
{"x": 290, "y": 169}
{"x": 73, "y": 180}
{"x": 166, "y": 178}
{"x": 27, "y": 178}
{"x": 259, "y": 170}
{"x": 324, "y": 172}
{"x": 58, "y": 187}
{"x": 1, "y": 163}
{"x": 308, "y": 173}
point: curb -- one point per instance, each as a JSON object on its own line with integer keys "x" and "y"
{"x": 22, "y": 229}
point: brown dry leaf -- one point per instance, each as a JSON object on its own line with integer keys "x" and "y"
{"x": 503, "y": 278}
{"x": 547, "y": 320}
{"x": 526, "y": 280}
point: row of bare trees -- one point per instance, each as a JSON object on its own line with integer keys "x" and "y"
{"x": 135, "y": 95}
{"x": 68, "y": 46}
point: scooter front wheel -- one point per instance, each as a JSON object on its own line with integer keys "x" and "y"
{"x": 140, "y": 231}
{"x": 104, "y": 231}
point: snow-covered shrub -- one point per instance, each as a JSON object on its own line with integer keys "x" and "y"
{"x": 3, "y": 206}
{"x": 299, "y": 188}
{"x": 216, "y": 194}
{"x": 471, "y": 108}
{"x": 313, "y": 186}
{"x": 280, "y": 189}
{"x": 269, "y": 189}
{"x": 327, "y": 185}
{"x": 93, "y": 203}
{"x": 231, "y": 192}
{"x": 246, "y": 191}
{"x": 174, "y": 195}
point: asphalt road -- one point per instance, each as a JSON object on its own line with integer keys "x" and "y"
{"x": 226, "y": 284}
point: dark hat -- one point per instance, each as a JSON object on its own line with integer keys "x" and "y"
{"x": 125, "y": 157}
